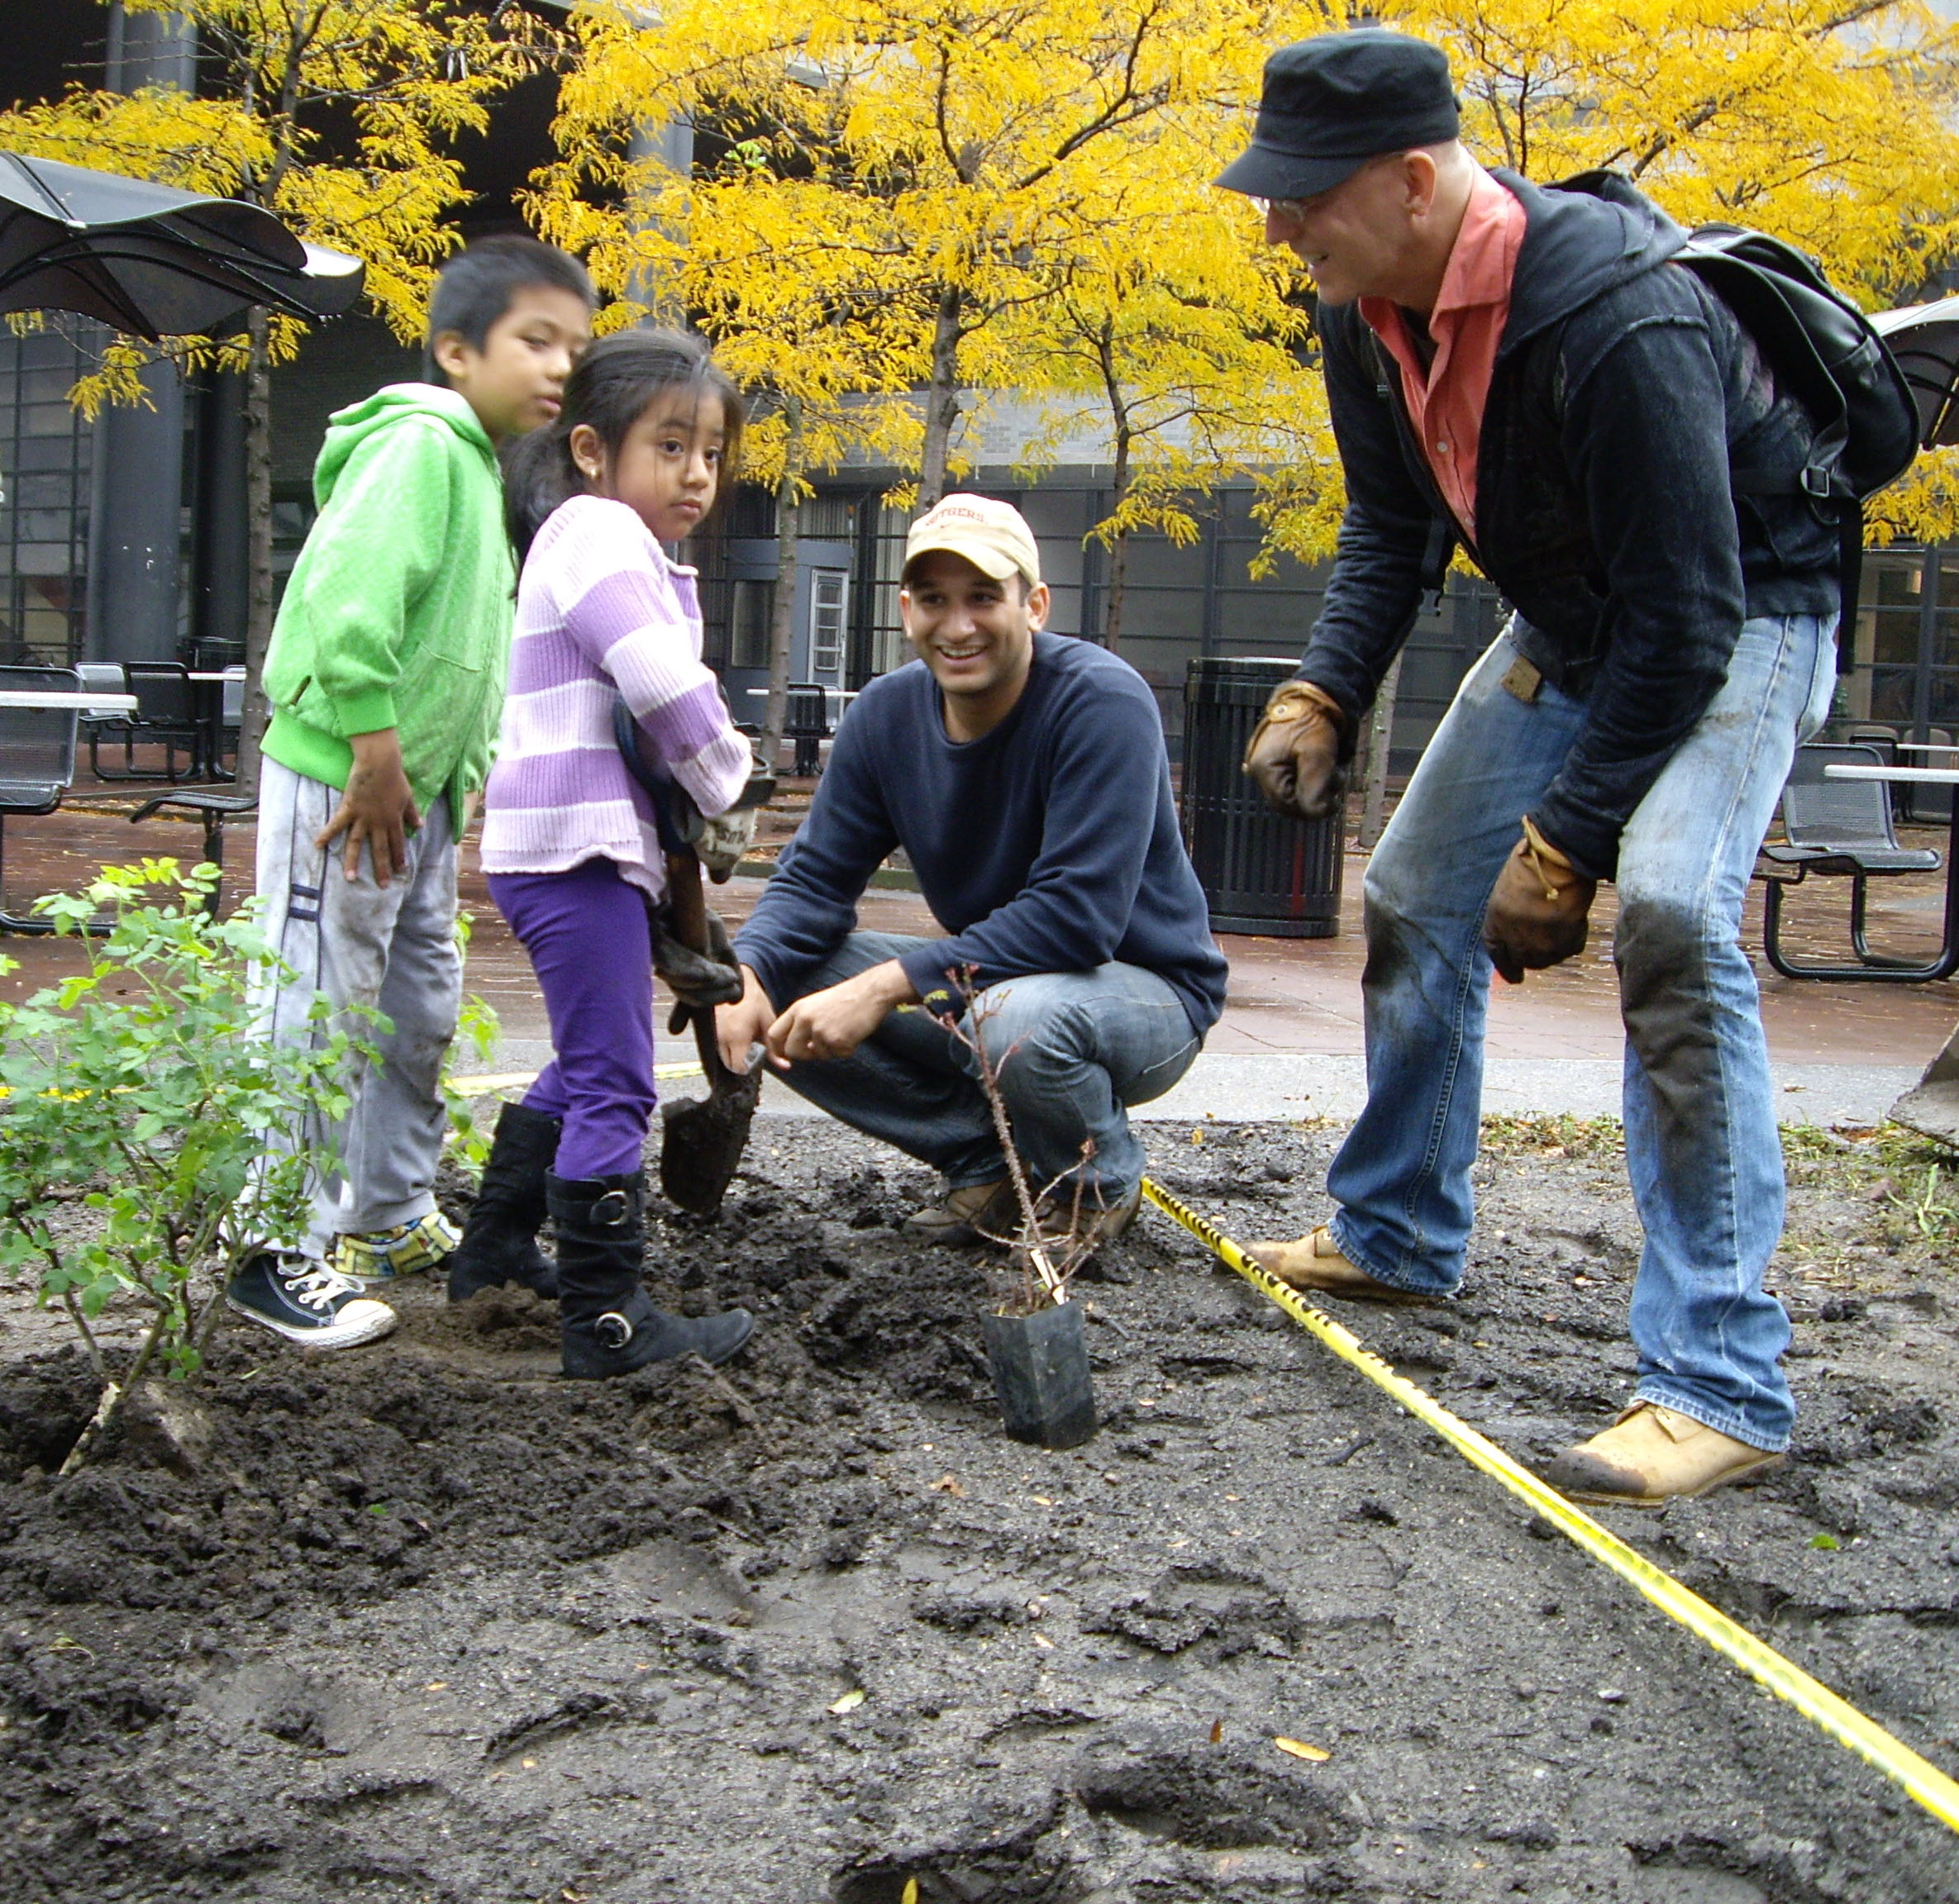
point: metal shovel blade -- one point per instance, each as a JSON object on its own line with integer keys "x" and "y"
{"x": 704, "y": 1138}
{"x": 1930, "y": 1107}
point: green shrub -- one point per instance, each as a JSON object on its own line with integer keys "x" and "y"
{"x": 133, "y": 1161}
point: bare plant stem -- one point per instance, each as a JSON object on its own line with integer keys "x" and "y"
{"x": 113, "y": 1397}
{"x": 88, "y": 1334}
{"x": 1051, "y": 1265}
{"x": 1052, "y": 1282}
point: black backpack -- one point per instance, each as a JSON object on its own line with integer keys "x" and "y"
{"x": 1823, "y": 351}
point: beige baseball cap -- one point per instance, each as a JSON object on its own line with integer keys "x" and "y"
{"x": 993, "y": 536}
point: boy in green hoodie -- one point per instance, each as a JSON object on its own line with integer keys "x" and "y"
{"x": 385, "y": 675}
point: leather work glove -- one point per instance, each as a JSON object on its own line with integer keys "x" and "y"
{"x": 1298, "y": 752}
{"x": 1537, "y": 915}
{"x": 723, "y": 841}
{"x": 698, "y": 981}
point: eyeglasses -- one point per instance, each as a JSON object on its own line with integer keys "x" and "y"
{"x": 1288, "y": 209}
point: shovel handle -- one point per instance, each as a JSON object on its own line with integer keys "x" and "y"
{"x": 687, "y": 904}
{"x": 686, "y": 900}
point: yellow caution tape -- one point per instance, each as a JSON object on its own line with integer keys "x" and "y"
{"x": 512, "y": 1080}
{"x": 1929, "y": 1786}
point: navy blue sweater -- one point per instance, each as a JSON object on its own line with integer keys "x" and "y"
{"x": 1049, "y": 844}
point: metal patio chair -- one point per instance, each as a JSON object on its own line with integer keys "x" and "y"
{"x": 37, "y": 766}
{"x": 1840, "y": 829}
{"x": 167, "y": 715}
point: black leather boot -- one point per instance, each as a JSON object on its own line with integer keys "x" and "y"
{"x": 499, "y": 1241}
{"x": 608, "y": 1324}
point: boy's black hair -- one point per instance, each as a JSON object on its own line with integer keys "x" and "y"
{"x": 477, "y": 285}
{"x": 610, "y": 387}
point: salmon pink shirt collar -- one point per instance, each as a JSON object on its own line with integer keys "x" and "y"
{"x": 1445, "y": 399}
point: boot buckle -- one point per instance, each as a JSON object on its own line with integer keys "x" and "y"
{"x": 612, "y": 1330}
{"x": 612, "y": 1209}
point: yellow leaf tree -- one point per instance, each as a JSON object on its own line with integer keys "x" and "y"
{"x": 949, "y": 197}
{"x": 338, "y": 115}
{"x": 1179, "y": 344}
{"x": 1829, "y": 123}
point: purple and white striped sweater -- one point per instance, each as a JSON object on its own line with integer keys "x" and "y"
{"x": 601, "y": 610}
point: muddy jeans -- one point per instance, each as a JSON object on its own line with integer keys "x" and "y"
{"x": 1702, "y": 1145}
{"x": 391, "y": 948}
{"x": 1073, "y": 1049}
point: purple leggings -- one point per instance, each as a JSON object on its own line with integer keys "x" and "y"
{"x": 588, "y": 936}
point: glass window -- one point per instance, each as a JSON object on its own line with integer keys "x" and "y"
{"x": 1891, "y": 690}
{"x": 1945, "y": 623}
{"x": 1943, "y": 702}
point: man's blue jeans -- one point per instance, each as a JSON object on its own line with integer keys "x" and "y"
{"x": 1072, "y": 1048}
{"x": 1702, "y": 1145}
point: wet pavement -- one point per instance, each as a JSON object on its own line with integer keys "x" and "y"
{"x": 1291, "y": 1040}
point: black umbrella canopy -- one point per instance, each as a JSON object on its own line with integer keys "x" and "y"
{"x": 152, "y": 261}
{"x": 1924, "y": 338}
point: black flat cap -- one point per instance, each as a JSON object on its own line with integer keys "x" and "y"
{"x": 1332, "y": 103}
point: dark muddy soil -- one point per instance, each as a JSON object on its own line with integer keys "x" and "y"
{"x": 424, "y": 1621}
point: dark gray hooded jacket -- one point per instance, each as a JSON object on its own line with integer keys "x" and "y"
{"x": 1632, "y": 445}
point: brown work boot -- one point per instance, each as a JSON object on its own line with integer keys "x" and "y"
{"x": 1100, "y": 1223}
{"x": 1106, "y": 1225}
{"x": 975, "y": 1213}
{"x": 1651, "y": 1455}
{"x": 1314, "y": 1265}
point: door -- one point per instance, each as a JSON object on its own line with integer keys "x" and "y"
{"x": 829, "y": 624}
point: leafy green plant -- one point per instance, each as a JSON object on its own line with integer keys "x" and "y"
{"x": 476, "y": 1040}
{"x": 133, "y": 1163}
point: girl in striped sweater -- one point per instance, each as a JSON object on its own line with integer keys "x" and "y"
{"x": 647, "y": 435}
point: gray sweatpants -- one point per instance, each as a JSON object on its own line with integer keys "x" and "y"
{"x": 391, "y": 947}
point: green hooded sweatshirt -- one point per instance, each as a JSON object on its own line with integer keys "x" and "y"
{"x": 399, "y": 608}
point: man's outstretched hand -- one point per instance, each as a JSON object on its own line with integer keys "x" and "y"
{"x": 1538, "y": 913}
{"x": 377, "y": 809}
{"x": 1294, "y": 752}
{"x": 740, "y": 1026}
{"x": 833, "y": 1022}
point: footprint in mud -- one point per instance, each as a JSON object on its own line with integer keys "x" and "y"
{"x": 1214, "y": 1798}
{"x": 1221, "y": 1613}
{"x": 1015, "y": 1862}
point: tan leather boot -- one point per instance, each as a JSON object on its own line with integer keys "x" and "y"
{"x": 1314, "y": 1264}
{"x": 1100, "y": 1223}
{"x": 1651, "y": 1455}
{"x": 975, "y": 1213}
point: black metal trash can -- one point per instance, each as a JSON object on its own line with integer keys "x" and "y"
{"x": 1260, "y": 872}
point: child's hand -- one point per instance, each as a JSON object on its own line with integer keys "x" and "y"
{"x": 377, "y": 809}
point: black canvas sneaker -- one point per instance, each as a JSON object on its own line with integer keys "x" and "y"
{"x": 307, "y": 1303}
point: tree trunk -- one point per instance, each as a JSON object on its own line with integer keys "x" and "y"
{"x": 258, "y": 494}
{"x": 941, "y": 399}
{"x": 1380, "y": 731}
{"x": 1118, "y": 574}
{"x": 782, "y": 621}
{"x": 1118, "y": 548}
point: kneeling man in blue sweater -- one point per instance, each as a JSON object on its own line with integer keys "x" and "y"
{"x": 1025, "y": 777}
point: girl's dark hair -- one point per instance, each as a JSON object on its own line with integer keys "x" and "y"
{"x": 609, "y": 389}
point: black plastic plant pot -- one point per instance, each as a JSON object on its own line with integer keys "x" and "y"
{"x": 1041, "y": 1374}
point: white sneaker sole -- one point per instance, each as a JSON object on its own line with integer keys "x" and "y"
{"x": 361, "y": 1321}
